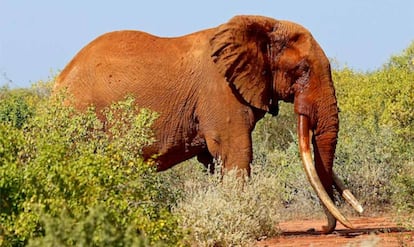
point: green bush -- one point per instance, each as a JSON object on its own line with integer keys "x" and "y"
{"x": 381, "y": 99}
{"x": 404, "y": 195}
{"x": 63, "y": 181}
{"x": 376, "y": 141}
{"x": 14, "y": 106}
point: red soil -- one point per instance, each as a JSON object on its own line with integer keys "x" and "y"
{"x": 378, "y": 231}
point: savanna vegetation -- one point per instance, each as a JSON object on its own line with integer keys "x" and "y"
{"x": 65, "y": 182}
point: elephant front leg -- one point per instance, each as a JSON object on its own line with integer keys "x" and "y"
{"x": 234, "y": 151}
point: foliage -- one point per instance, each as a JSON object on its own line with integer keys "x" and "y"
{"x": 378, "y": 121}
{"x": 14, "y": 107}
{"x": 404, "y": 198}
{"x": 403, "y": 61}
{"x": 64, "y": 181}
{"x": 382, "y": 99}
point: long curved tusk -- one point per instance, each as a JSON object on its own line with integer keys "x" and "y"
{"x": 346, "y": 193}
{"x": 305, "y": 153}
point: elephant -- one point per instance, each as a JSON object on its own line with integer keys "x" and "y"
{"x": 212, "y": 86}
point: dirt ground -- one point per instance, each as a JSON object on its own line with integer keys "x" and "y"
{"x": 376, "y": 231}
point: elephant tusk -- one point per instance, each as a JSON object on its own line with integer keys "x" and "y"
{"x": 346, "y": 193}
{"x": 310, "y": 170}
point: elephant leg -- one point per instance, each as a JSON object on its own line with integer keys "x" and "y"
{"x": 234, "y": 151}
{"x": 207, "y": 160}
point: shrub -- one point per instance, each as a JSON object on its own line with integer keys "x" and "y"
{"x": 366, "y": 164}
{"x": 226, "y": 211}
{"x": 382, "y": 99}
{"x": 69, "y": 183}
{"x": 404, "y": 196}
{"x": 14, "y": 106}
{"x": 376, "y": 141}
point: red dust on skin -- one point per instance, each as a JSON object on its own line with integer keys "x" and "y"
{"x": 377, "y": 231}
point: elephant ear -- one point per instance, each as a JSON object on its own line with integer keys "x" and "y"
{"x": 240, "y": 49}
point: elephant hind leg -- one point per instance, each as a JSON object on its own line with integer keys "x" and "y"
{"x": 207, "y": 160}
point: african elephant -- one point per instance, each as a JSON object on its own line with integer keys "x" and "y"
{"x": 211, "y": 87}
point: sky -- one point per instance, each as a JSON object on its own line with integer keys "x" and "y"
{"x": 38, "y": 38}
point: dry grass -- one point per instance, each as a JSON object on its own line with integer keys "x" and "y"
{"x": 226, "y": 211}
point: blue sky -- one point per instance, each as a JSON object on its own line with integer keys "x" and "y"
{"x": 38, "y": 38}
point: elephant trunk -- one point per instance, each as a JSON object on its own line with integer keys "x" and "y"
{"x": 320, "y": 120}
{"x": 324, "y": 140}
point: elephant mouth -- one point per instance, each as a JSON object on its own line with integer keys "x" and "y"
{"x": 310, "y": 170}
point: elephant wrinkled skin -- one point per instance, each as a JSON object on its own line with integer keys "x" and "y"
{"x": 211, "y": 87}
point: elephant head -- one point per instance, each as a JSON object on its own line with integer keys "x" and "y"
{"x": 267, "y": 60}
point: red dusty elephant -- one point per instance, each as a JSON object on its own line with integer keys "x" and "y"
{"x": 211, "y": 87}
